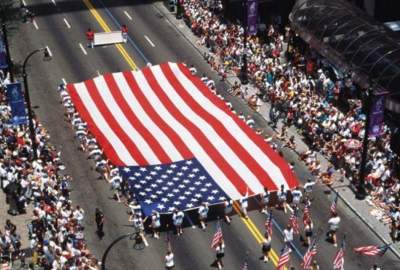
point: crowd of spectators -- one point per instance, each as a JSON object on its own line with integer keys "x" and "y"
{"x": 306, "y": 93}
{"x": 56, "y": 226}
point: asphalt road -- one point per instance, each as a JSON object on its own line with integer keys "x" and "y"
{"x": 62, "y": 27}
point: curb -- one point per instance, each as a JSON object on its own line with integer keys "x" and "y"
{"x": 368, "y": 224}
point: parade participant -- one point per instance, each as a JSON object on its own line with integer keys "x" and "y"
{"x": 265, "y": 200}
{"x": 308, "y": 232}
{"x": 155, "y": 224}
{"x": 227, "y": 210}
{"x": 244, "y": 203}
{"x": 138, "y": 225}
{"x": 177, "y": 219}
{"x": 296, "y": 197}
{"x": 288, "y": 235}
{"x": 308, "y": 188}
{"x": 333, "y": 223}
{"x": 220, "y": 253}
{"x": 124, "y": 31}
{"x": 203, "y": 212}
{"x": 99, "y": 218}
{"x": 266, "y": 247}
{"x": 169, "y": 260}
{"x": 193, "y": 70}
{"x": 282, "y": 198}
{"x": 90, "y": 38}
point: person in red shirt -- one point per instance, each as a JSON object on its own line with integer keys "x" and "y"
{"x": 90, "y": 37}
{"x": 124, "y": 30}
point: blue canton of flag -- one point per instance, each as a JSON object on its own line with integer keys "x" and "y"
{"x": 184, "y": 184}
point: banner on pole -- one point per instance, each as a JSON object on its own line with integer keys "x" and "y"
{"x": 377, "y": 115}
{"x": 17, "y": 104}
{"x": 3, "y": 53}
{"x": 252, "y": 14}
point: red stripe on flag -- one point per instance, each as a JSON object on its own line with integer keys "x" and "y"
{"x": 135, "y": 122}
{"x": 147, "y": 107}
{"x": 213, "y": 153}
{"x": 85, "y": 115}
{"x": 232, "y": 143}
{"x": 113, "y": 123}
{"x": 259, "y": 140}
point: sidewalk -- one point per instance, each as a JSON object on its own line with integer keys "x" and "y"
{"x": 360, "y": 208}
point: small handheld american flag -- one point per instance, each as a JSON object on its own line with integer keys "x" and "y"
{"x": 334, "y": 203}
{"x": 284, "y": 258}
{"x": 218, "y": 236}
{"x": 372, "y": 250}
{"x": 309, "y": 255}
{"x": 338, "y": 260}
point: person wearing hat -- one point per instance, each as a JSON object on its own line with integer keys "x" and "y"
{"x": 203, "y": 212}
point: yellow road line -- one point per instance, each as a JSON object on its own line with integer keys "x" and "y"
{"x": 255, "y": 232}
{"x": 247, "y": 221}
{"x": 106, "y": 28}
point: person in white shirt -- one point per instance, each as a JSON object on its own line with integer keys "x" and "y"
{"x": 203, "y": 212}
{"x": 282, "y": 198}
{"x": 155, "y": 224}
{"x": 333, "y": 224}
{"x": 177, "y": 219}
{"x": 227, "y": 210}
{"x": 244, "y": 203}
{"x": 265, "y": 200}
{"x": 296, "y": 197}
{"x": 169, "y": 260}
{"x": 308, "y": 188}
{"x": 288, "y": 235}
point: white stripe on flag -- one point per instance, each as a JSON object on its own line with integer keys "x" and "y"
{"x": 213, "y": 137}
{"x": 124, "y": 123}
{"x": 146, "y": 120}
{"x": 253, "y": 149}
{"x": 102, "y": 124}
{"x": 209, "y": 164}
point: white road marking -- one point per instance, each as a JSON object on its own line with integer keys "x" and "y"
{"x": 64, "y": 81}
{"x": 23, "y": 2}
{"x": 98, "y": 73}
{"x": 127, "y": 15}
{"x": 35, "y": 24}
{"x": 83, "y": 49}
{"x": 48, "y": 50}
{"x": 54, "y": 2}
{"x": 148, "y": 40}
{"x": 67, "y": 23}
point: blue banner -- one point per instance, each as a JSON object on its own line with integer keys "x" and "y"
{"x": 3, "y": 53}
{"x": 17, "y": 103}
{"x": 252, "y": 16}
{"x": 377, "y": 115}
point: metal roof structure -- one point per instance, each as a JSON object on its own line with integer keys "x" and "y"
{"x": 352, "y": 40}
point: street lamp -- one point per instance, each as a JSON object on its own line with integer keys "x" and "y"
{"x": 46, "y": 57}
{"x": 243, "y": 71}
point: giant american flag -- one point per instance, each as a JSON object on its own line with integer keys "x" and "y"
{"x": 151, "y": 122}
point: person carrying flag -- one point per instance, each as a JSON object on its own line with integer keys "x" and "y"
{"x": 293, "y": 222}
{"x": 177, "y": 219}
{"x": 124, "y": 31}
{"x": 220, "y": 253}
{"x": 309, "y": 256}
{"x": 334, "y": 203}
{"x": 268, "y": 224}
{"x": 308, "y": 231}
{"x": 203, "y": 212}
{"x": 155, "y": 224}
{"x": 288, "y": 235}
{"x": 333, "y": 224}
{"x": 227, "y": 210}
{"x": 266, "y": 247}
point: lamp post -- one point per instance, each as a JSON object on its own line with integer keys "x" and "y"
{"x": 46, "y": 55}
{"x": 243, "y": 71}
{"x": 360, "y": 187}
